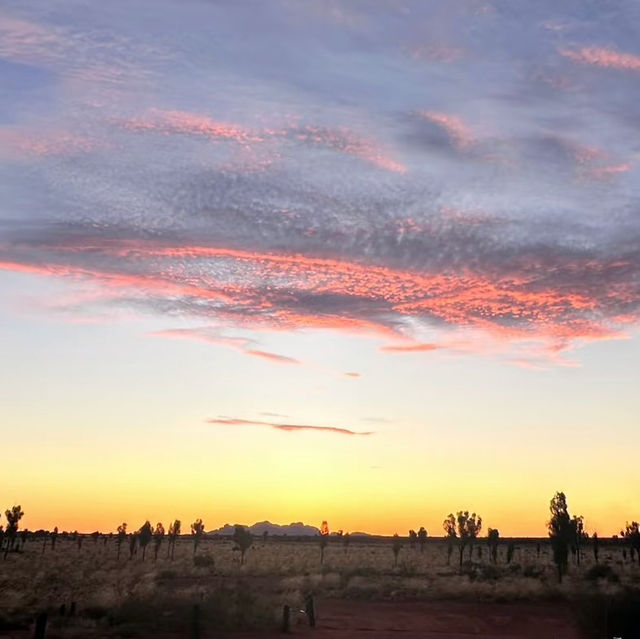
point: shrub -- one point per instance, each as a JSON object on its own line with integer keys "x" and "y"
{"x": 532, "y": 571}
{"x": 203, "y": 561}
{"x": 602, "y": 571}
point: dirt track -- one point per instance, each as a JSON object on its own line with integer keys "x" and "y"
{"x": 434, "y": 619}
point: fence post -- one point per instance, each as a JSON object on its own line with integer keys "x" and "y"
{"x": 41, "y": 626}
{"x": 311, "y": 611}
{"x": 286, "y": 616}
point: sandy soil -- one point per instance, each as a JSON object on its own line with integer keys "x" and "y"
{"x": 434, "y": 619}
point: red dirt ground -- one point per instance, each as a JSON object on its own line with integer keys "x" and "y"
{"x": 433, "y": 620}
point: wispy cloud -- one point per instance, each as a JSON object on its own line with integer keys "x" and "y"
{"x": 231, "y": 421}
{"x": 212, "y": 336}
{"x": 274, "y": 357}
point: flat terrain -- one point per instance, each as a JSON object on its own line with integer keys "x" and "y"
{"x": 342, "y": 619}
{"x": 360, "y": 590}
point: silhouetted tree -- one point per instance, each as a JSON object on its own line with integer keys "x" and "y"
{"x": 174, "y": 533}
{"x": 197, "y": 530}
{"x": 560, "y": 532}
{"x": 511, "y": 548}
{"x": 324, "y": 539}
{"x": 631, "y": 534}
{"x": 345, "y": 541}
{"x": 422, "y": 538}
{"x": 14, "y": 515}
{"x": 95, "y": 535}
{"x": 133, "y": 544}
{"x": 413, "y": 538}
{"x": 449, "y": 525}
{"x": 54, "y": 537}
{"x": 396, "y": 547}
{"x": 122, "y": 535}
{"x": 578, "y": 536}
{"x": 595, "y": 546}
{"x": 493, "y": 539}
{"x": 158, "y": 536}
{"x": 463, "y": 527}
{"x": 243, "y": 540}
{"x": 145, "y": 534}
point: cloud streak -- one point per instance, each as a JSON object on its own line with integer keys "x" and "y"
{"x": 290, "y": 428}
{"x": 604, "y": 58}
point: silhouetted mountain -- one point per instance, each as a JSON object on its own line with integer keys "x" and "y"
{"x": 296, "y": 529}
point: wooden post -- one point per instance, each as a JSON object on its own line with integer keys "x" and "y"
{"x": 41, "y": 626}
{"x": 286, "y": 618}
{"x": 195, "y": 622}
{"x": 311, "y": 611}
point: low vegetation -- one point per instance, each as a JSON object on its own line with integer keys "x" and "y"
{"x": 242, "y": 581}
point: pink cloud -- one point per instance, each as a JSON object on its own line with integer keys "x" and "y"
{"x": 282, "y": 359}
{"x": 211, "y": 336}
{"x": 409, "y": 348}
{"x": 231, "y": 421}
{"x": 603, "y": 57}
{"x": 352, "y": 375}
{"x": 459, "y": 133}
{"x": 16, "y": 142}
{"x": 341, "y": 140}
{"x": 246, "y": 289}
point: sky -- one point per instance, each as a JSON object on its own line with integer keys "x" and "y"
{"x": 368, "y": 262}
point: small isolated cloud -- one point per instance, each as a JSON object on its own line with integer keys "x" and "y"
{"x": 352, "y": 375}
{"x": 232, "y": 421}
{"x": 422, "y": 347}
{"x": 274, "y": 357}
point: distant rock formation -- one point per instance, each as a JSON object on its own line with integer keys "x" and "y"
{"x": 295, "y": 529}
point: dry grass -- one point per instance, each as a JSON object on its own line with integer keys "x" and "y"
{"x": 121, "y": 595}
